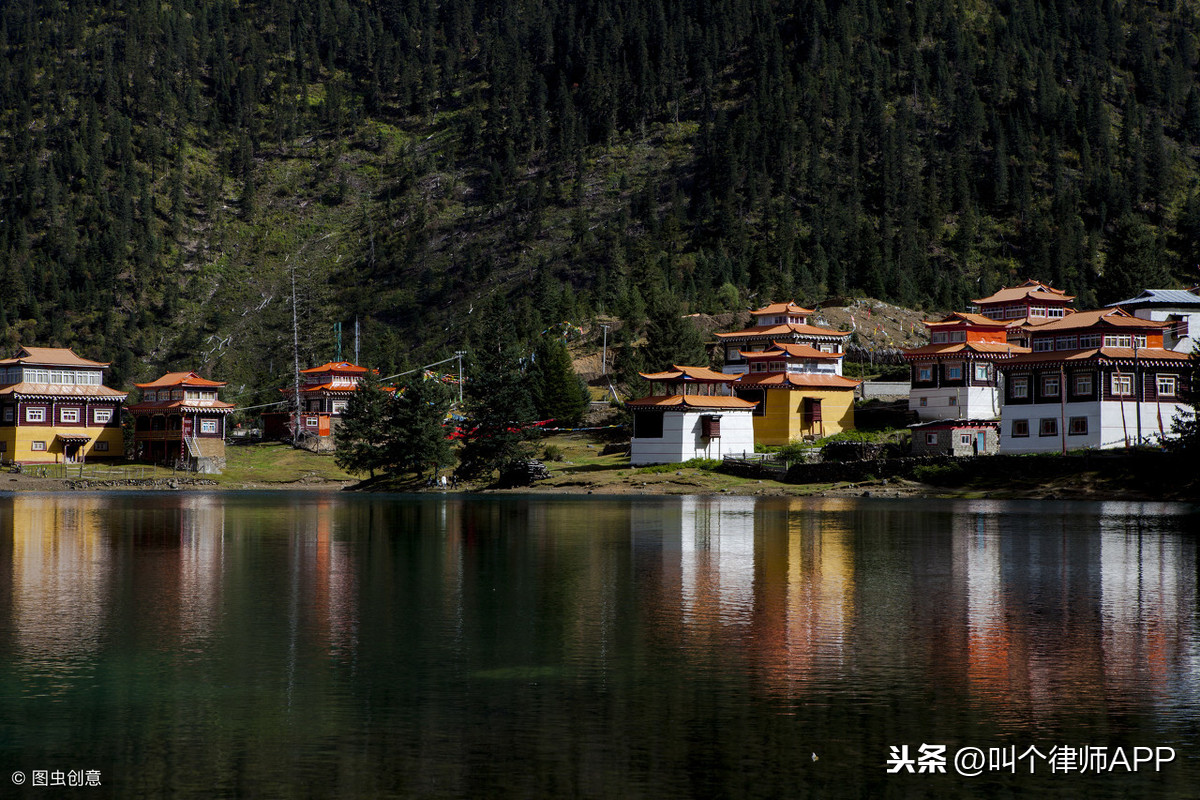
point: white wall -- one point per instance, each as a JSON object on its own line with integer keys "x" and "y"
{"x": 1159, "y": 314}
{"x": 973, "y": 402}
{"x": 1106, "y": 428}
{"x": 682, "y": 441}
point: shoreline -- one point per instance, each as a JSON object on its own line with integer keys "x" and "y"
{"x": 679, "y": 484}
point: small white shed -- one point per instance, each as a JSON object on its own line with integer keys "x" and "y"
{"x": 668, "y": 429}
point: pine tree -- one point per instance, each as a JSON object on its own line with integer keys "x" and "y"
{"x": 671, "y": 338}
{"x": 414, "y": 438}
{"x": 499, "y": 409}
{"x": 558, "y": 391}
{"x": 363, "y": 428}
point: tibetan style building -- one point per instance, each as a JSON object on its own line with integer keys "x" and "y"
{"x": 1094, "y": 379}
{"x": 1032, "y": 300}
{"x": 791, "y": 371}
{"x": 180, "y": 421}
{"x": 798, "y": 393}
{"x": 55, "y": 408}
{"x": 785, "y": 323}
{"x": 324, "y": 393}
{"x": 695, "y": 416}
{"x": 954, "y": 376}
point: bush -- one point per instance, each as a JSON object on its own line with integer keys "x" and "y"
{"x": 552, "y": 452}
{"x": 940, "y": 475}
{"x": 695, "y": 463}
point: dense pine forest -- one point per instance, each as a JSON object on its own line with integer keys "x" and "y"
{"x": 454, "y": 173}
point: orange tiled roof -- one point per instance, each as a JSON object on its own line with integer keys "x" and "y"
{"x": 797, "y": 380}
{"x": 62, "y": 390}
{"x": 782, "y": 330}
{"x": 50, "y": 357}
{"x": 342, "y": 367}
{"x": 989, "y": 348}
{"x": 191, "y": 405}
{"x": 1106, "y": 316}
{"x": 957, "y": 318}
{"x": 678, "y": 373}
{"x": 790, "y": 350}
{"x": 692, "y": 401}
{"x": 173, "y": 379}
{"x": 1032, "y": 290}
{"x": 1099, "y": 353}
{"x": 789, "y": 307}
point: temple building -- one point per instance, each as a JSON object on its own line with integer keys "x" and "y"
{"x": 324, "y": 393}
{"x": 694, "y": 416}
{"x": 954, "y": 376}
{"x": 791, "y": 370}
{"x": 180, "y": 421}
{"x": 1093, "y": 379}
{"x": 775, "y": 324}
{"x": 55, "y": 408}
{"x": 1022, "y": 307}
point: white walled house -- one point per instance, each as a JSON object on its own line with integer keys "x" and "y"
{"x": 668, "y": 429}
{"x": 1179, "y": 308}
{"x": 1096, "y": 379}
{"x": 955, "y": 375}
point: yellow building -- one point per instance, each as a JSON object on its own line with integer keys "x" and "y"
{"x": 798, "y": 392}
{"x": 55, "y": 408}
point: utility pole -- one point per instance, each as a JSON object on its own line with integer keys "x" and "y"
{"x": 296, "y": 356}
{"x": 461, "y": 378}
{"x": 604, "y": 351}
{"x": 1137, "y": 392}
{"x": 356, "y": 339}
{"x": 337, "y": 327}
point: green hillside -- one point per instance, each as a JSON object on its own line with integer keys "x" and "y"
{"x": 168, "y": 169}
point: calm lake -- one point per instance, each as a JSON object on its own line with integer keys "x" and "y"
{"x": 326, "y": 645}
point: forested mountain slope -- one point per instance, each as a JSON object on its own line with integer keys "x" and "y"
{"x": 168, "y": 169}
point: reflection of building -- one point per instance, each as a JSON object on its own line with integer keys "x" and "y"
{"x": 62, "y": 574}
{"x": 54, "y": 407}
{"x": 180, "y": 420}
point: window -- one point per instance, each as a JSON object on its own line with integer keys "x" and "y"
{"x": 102, "y": 416}
{"x": 1020, "y": 387}
{"x": 3, "y": 447}
{"x": 310, "y": 422}
{"x": 778, "y": 366}
{"x": 35, "y": 414}
{"x": 931, "y": 439}
{"x": 924, "y": 374}
{"x": 953, "y": 400}
{"x": 1083, "y": 384}
{"x": 1020, "y": 427}
{"x": 924, "y": 402}
{"x": 1090, "y": 340}
{"x": 1139, "y": 341}
{"x": 758, "y": 366}
{"x": 964, "y": 438}
{"x": 981, "y": 372}
{"x": 68, "y": 415}
{"x": 1055, "y": 312}
{"x": 1065, "y": 343}
{"x": 208, "y": 426}
{"x": 149, "y": 397}
{"x": 37, "y": 446}
{"x": 732, "y": 354}
{"x": 1050, "y": 385}
{"x": 1122, "y": 385}
{"x": 8, "y": 414}
{"x": 1118, "y": 341}
{"x": 1166, "y": 385}
{"x": 1048, "y": 427}
{"x": 954, "y": 372}
{"x": 101, "y": 447}
{"x": 338, "y": 406}
{"x": 1077, "y": 426}
{"x": 647, "y": 425}
{"x": 1043, "y": 344}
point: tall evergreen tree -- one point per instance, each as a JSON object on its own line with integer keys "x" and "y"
{"x": 558, "y": 391}
{"x": 499, "y": 410}
{"x": 415, "y": 436}
{"x": 363, "y": 428}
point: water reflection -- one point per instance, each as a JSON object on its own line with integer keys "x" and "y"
{"x": 459, "y": 646}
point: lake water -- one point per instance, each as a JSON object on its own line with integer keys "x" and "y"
{"x": 319, "y": 645}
